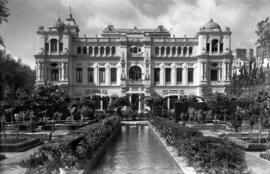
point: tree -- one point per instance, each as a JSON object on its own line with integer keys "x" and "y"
{"x": 4, "y": 13}
{"x": 263, "y": 32}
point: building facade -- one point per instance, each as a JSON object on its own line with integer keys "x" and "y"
{"x": 242, "y": 57}
{"x": 263, "y": 55}
{"x": 134, "y": 62}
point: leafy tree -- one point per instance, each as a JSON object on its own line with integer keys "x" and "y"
{"x": 263, "y": 32}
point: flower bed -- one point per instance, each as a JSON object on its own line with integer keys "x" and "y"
{"x": 72, "y": 150}
{"x": 211, "y": 154}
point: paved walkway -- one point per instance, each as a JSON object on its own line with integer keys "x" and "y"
{"x": 11, "y": 164}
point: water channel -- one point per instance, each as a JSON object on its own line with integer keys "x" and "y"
{"x": 136, "y": 150}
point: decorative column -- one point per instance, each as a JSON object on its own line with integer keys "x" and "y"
{"x": 210, "y": 51}
{"x": 218, "y": 47}
{"x": 173, "y": 76}
{"x": 108, "y": 77}
{"x": 185, "y": 75}
{"x": 98, "y": 54}
{"x": 159, "y": 53}
{"x": 93, "y": 52}
{"x": 162, "y": 74}
{"x": 140, "y": 104}
{"x": 41, "y": 71}
{"x": 38, "y": 71}
{"x": 96, "y": 74}
{"x": 168, "y": 102}
{"x": 62, "y": 71}
{"x": 65, "y": 70}
{"x": 110, "y": 51}
{"x": 101, "y": 103}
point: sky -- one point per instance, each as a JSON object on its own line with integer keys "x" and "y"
{"x": 181, "y": 17}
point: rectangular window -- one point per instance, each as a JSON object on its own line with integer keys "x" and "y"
{"x": 113, "y": 75}
{"x": 90, "y": 75}
{"x": 90, "y": 50}
{"x": 96, "y": 50}
{"x": 156, "y": 50}
{"x": 207, "y": 47}
{"x": 46, "y": 47}
{"x": 221, "y": 47}
{"x": 84, "y": 50}
{"x": 179, "y": 49}
{"x": 60, "y": 47}
{"x": 78, "y": 75}
{"x": 185, "y": 51}
{"x": 113, "y": 50}
{"x": 162, "y": 51}
{"x": 214, "y": 75}
{"x": 190, "y": 75}
{"x": 79, "y": 50}
{"x": 107, "y": 50}
{"x": 179, "y": 75}
{"x": 190, "y": 50}
{"x": 167, "y": 74}
{"x": 156, "y": 74}
{"x": 173, "y": 51}
{"x": 102, "y": 75}
{"x": 168, "y": 49}
{"x": 101, "y": 51}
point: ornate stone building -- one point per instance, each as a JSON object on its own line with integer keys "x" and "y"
{"x": 134, "y": 62}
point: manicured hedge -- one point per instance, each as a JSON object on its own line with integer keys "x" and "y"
{"x": 211, "y": 154}
{"x": 21, "y": 146}
{"x": 73, "y": 148}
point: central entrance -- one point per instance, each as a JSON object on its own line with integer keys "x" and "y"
{"x": 135, "y": 101}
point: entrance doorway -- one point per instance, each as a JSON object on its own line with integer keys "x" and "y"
{"x": 134, "y": 102}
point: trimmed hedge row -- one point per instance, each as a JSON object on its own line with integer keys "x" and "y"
{"x": 21, "y": 146}
{"x": 214, "y": 155}
{"x": 74, "y": 149}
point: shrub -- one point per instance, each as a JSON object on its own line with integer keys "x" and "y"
{"x": 256, "y": 147}
{"x": 2, "y": 157}
{"x": 72, "y": 148}
{"x": 212, "y": 154}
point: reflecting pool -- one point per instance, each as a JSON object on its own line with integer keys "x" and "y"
{"x": 136, "y": 150}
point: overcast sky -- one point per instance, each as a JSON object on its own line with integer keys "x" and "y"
{"x": 180, "y": 16}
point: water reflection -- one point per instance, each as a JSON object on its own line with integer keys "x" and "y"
{"x": 136, "y": 150}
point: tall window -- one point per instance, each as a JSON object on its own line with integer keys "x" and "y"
{"x": 214, "y": 75}
{"x": 168, "y": 49}
{"x": 214, "y": 45}
{"x": 185, "y": 51}
{"x": 91, "y": 75}
{"x": 96, "y": 50}
{"x": 90, "y": 50}
{"x": 107, "y": 50}
{"x": 55, "y": 75}
{"x": 101, "y": 51}
{"x": 60, "y": 46}
{"x": 167, "y": 74}
{"x": 102, "y": 75}
{"x": 84, "y": 50}
{"x": 156, "y": 74}
{"x": 190, "y": 75}
{"x": 162, "y": 51}
{"x": 156, "y": 50}
{"x": 179, "y": 49}
{"x": 179, "y": 75}
{"x": 79, "y": 75}
{"x": 79, "y": 50}
{"x": 113, "y": 50}
{"x": 173, "y": 51}
{"x": 190, "y": 50}
{"x": 113, "y": 75}
{"x": 53, "y": 45}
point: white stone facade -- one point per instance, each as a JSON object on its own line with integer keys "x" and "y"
{"x": 134, "y": 62}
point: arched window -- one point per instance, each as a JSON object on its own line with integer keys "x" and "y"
{"x": 53, "y": 45}
{"x": 135, "y": 73}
